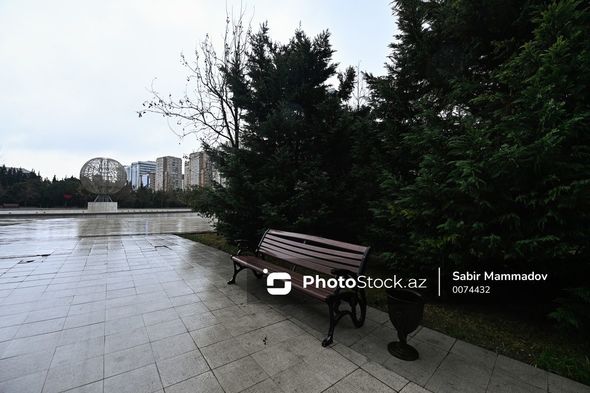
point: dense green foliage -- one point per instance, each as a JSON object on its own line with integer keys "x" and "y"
{"x": 473, "y": 150}
{"x": 494, "y": 164}
{"x": 29, "y": 189}
{"x": 295, "y": 166}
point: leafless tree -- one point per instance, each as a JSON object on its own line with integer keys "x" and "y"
{"x": 207, "y": 108}
{"x": 360, "y": 93}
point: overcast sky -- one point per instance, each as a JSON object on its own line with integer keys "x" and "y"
{"x": 74, "y": 73}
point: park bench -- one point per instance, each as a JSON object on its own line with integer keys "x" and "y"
{"x": 280, "y": 251}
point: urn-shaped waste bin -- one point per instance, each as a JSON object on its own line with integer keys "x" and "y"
{"x": 406, "y": 308}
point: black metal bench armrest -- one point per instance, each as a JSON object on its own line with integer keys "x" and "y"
{"x": 243, "y": 245}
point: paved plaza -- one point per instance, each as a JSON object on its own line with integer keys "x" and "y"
{"x": 122, "y": 305}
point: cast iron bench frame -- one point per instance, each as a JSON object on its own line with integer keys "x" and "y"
{"x": 330, "y": 258}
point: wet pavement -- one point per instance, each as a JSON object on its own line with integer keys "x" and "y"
{"x": 105, "y": 304}
{"x": 38, "y": 212}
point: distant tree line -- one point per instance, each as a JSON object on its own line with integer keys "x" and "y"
{"x": 29, "y": 189}
{"x": 471, "y": 151}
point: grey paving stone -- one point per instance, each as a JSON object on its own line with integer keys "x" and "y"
{"x": 123, "y": 324}
{"x": 259, "y": 339}
{"x": 128, "y": 359}
{"x": 36, "y": 328}
{"x": 141, "y": 380}
{"x": 377, "y": 315}
{"x": 330, "y": 364}
{"x": 182, "y": 300}
{"x": 86, "y": 308}
{"x": 8, "y": 333}
{"x": 42, "y": 342}
{"x": 421, "y": 370}
{"x": 73, "y": 375}
{"x": 223, "y": 352}
{"x": 558, "y": 384}
{"x": 474, "y": 353}
{"x": 525, "y": 372}
{"x": 204, "y": 383}
{"x": 45, "y": 314}
{"x": 413, "y": 388}
{"x": 31, "y": 383}
{"x": 122, "y": 312}
{"x": 502, "y": 382}
{"x": 182, "y": 367}
{"x": 388, "y": 377}
{"x": 94, "y": 387}
{"x": 198, "y": 321}
{"x": 18, "y": 366}
{"x": 210, "y": 335}
{"x": 373, "y": 347}
{"x": 173, "y": 346}
{"x": 266, "y": 386}
{"x": 117, "y": 293}
{"x": 301, "y": 378}
{"x": 239, "y": 375}
{"x": 89, "y": 318}
{"x": 242, "y": 325}
{"x": 229, "y": 314}
{"x": 78, "y": 351}
{"x": 217, "y": 302}
{"x": 13, "y": 319}
{"x": 435, "y": 338}
{"x": 303, "y": 345}
{"x": 126, "y": 339}
{"x": 350, "y": 354}
{"x": 359, "y": 382}
{"x": 459, "y": 374}
{"x": 166, "y": 329}
{"x": 89, "y": 298}
{"x": 277, "y": 358}
{"x": 70, "y": 336}
{"x": 160, "y": 316}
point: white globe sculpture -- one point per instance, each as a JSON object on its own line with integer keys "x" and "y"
{"x": 103, "y": 176}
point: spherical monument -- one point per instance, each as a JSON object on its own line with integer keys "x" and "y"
{"x": 103, "y": 176}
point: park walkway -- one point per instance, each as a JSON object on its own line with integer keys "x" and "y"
{"x": 122, "y": 305}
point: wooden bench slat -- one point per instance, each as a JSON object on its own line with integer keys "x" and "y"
{"x": 305, "y": 261}
{"x": 312, "y": 254}
{"x": 321, "y": 240}
{"x": 323, "y": 250}
{"x": 296, "y": 260}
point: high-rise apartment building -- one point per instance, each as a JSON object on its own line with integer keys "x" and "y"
{"x": 151, "y": 180}
{"x": 168, "y": 173}
{"x": 199, "y": 171}
{"x": 138, "y": 172}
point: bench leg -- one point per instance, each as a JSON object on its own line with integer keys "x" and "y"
{"x": 332, "y": 309}
{"x": 237, "y": 269}
{"x": 361, "y": 300}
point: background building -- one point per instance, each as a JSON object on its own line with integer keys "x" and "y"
{"x": 168, "y": 173}
{"x": 128, "y": 172}
{"x": 151, "y": 180}
{"x": 138, "y": 172}
{"x": 199, "y": 171}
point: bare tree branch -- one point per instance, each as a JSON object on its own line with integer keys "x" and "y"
{"x": 207, "y": 108}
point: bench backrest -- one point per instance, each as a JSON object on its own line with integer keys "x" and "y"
{"x": 313, "y": 252}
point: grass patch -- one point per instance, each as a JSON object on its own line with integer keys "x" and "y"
{"x": 212, "y": 239}
{"x": 539, "y": 344}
